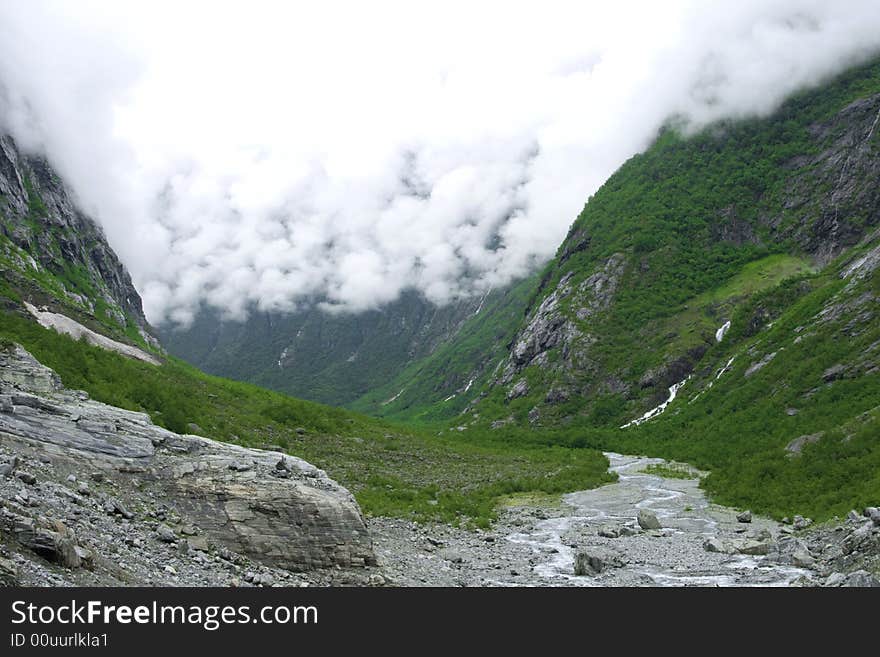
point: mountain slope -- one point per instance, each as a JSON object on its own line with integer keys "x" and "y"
{"x": 678, "y": 239}
{"x": 51, "y": 254}
{"x": 333, "y": 359}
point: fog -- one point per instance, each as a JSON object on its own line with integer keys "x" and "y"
{"x": 271, "y": 155}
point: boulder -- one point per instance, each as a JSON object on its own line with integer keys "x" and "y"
{"x": 745, "y": 516}
{"x": 300, "y": 522}
{"x": 648, "y": 520}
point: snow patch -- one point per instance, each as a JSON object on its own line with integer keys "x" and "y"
{"x": 67, "y": 326}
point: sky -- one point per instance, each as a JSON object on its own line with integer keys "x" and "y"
{"x": 273, "y": 155}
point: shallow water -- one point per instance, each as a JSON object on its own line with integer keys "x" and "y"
{"x": 673, "y": 556}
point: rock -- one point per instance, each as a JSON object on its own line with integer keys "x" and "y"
{"x": 165, "y": 534}
{"x": 57, "y": 544}
{"x": 833, "y": 373}
{"x": 586, "y": 563}
{"x": 796, "y": 446}
{"x": 451, "y": 556}
{"x": 6, "y": 469}
{"x": 647, "y": 520}
{"x": 609, "y": 532}
{"x": 593, "y": 560}
{"x": 801, "y": 523}
{"x": 873, "y": 513}
{"x": 752, "y": 547}
{"x": 745, "y": 516}
{"x": 860, "y": 578}
{"x": 8, "y": 573}
{"x": 303, "y": 522}
{"x": 714, "y": 544}
{"x": 626, "y": 530}
{"x": 853, "y": 516}
{"x": 170, "y": 570}
{"x": 26, "y": 477}
{"x": 83, "y": 489}
{"x": 762, "y": 534}
{"x": 300, "y": 431}
{"x": 803, "y": 559}
{"x": 240, "y": 466}
{"x": 835, "y": 579}
{"x": 376, "y": 580}
{"x": 518, "y": 389}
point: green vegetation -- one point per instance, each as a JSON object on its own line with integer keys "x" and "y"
{"x": 671, "y": 471}
{"x": 392, "y": 470}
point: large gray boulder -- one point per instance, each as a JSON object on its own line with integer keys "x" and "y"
{"x": 295, "y": 518}
{"x": 648, "y": 520}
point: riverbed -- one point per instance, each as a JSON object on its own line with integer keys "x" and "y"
{"x": 536, "y": 545}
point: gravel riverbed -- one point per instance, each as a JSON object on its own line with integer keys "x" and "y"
{"x": 698, "y": 543}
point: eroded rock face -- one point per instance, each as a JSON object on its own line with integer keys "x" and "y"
{"x": 273, "y": 508}
{"x": 551, "y": 325}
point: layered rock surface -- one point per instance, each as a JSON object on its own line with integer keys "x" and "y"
{"x": 79, "y": 478}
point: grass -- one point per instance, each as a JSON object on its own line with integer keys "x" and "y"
{"x": 391, "y": 469}
{"x": 671, "y": 471}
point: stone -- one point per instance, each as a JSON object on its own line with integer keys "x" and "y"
{"x": 752, "y": 547}
{"x": 835, "y": 579}
{"x": 762, "y": 534}
{"x": 801, "y": 523}
{"x": 626, "y": 530}
{"x": 8, "y": 573}
{"x": 860, "y": 578}
{"x": 647, "y": 520}
{"x": 519, "y": 389}
{"x": 304, "y": 522}
{"x": 165, "y": 534}
{"x": 745, "y": 516}
{"x": 26, "y": 477}
{"x": 803, "y": 559}
{"x": 609, "y": 532}
{"x": 586, "y": 563}
{"x": 451, "y": 556}
{"x": 714, "y": 544}
{"x": 593, "y": 560}
{"x": 853, "y": 516}
{"x": 241, "y": 466}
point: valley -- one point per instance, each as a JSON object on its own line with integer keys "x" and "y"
{"x": 712, "y": 313}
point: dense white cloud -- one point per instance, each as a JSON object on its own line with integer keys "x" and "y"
{"x": 274, "y": 154}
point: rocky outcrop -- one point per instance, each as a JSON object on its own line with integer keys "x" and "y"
{"x": 44, "y": 237}
{"x": 557, "y": 323}
{"x": 846, "y": 168}
{"x": 268, "y": 507}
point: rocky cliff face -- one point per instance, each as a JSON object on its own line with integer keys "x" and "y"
{"x": 51, "y": 253}
{"x": 93, "y": 494}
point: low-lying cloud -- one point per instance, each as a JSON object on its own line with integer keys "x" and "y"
{"x": 272, "y": 155}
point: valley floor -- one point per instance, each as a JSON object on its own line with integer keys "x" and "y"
{"x": 699, "y": 543}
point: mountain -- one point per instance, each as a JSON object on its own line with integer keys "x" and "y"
{"x": 70, "y": 318}
{"x": 714, "y": 302}
{"x": 330, "y": 358}
{"x": 53, "y": 255}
